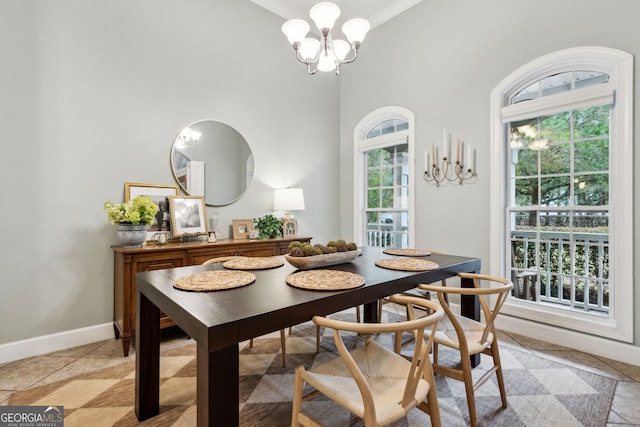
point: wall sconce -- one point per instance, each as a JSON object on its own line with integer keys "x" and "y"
{"x": 433, "y": 172}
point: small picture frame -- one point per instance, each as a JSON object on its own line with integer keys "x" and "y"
{"x": 242, "y": 228}
{"x": 188, "y": 215}
{"x": 160, "y": 194}
{"x": 289, "y": 227}
{"x": 211, "y": 238}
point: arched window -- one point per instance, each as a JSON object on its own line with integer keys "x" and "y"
{"x": 384, "y": 183}
{"x": 562, "y": 190}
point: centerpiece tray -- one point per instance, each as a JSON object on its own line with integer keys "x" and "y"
{"x": 325, "y": 260}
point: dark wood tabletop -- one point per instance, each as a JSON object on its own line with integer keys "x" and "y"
{"x": 219, "y": 320}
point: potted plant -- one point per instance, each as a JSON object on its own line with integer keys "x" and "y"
{"x": 133, "y": 218}
{"x": 268, "y": 226}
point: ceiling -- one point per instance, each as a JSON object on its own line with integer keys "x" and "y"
{"x": 375, "y": 11}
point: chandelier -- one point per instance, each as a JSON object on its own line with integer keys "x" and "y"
{"x": 325, "y": 54}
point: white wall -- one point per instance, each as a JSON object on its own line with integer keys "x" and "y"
{"x": 441, "y": 60}
{"x": 92, "y": 94}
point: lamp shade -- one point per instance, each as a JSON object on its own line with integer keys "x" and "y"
{"x": 309, "y": 49}
{"x": 355, "y": 29}
{"x": 324, "y": 14}
{"x": 295, "y": 30}
{"x": 288, "y": 199}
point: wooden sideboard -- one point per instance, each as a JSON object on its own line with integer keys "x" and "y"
{"x": 129, "y": 261}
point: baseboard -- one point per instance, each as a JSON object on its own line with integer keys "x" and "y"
{"x": 616, "y": 350}
{"x": 55, "y": 342}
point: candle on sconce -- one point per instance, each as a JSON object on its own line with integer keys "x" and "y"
{"x": 444, "y": 144}
{"x": 458, "y": 152}
{"x": 433, "y": 153}
{"x": 426, "y": 160}
{"x": 469, "y": 161}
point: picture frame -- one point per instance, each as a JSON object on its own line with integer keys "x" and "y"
{"x": 241, "y": 228}
{"x": 289, "y": 227}
{"x": 211, "y": 238}
{"x": 160, "y": 194}
{"x": 188, "y": 215}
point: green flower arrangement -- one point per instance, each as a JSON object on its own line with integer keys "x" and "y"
{"x": 140, "y": 210}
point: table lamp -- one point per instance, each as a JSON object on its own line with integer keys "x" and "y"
{"x": 287, "y": 200}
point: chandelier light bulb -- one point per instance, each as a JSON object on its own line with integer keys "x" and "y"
{"x": 324, "y": 14}
{"x": 356, "y": 29}
{"x": 309, "y": 49}
{"x": 341, "y": 48}
{"x": 295, "y": 30}
{"x": 327, "y": 61}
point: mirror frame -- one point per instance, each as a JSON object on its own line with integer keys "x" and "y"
{"x": 185, "y": 135}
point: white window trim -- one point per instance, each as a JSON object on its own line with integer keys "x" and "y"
{"x": 619, "y": 66}
{"x": 362, "y": 144}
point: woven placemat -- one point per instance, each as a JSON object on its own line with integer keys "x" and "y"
{"x": 325, "y": 280}
{"x": 252, "y": 263}
{"x": 406, "y": 264}
{"x": 216, "y": 280}
{"x": 407, "y": 252}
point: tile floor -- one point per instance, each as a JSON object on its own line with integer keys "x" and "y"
{"x": 45, "y": 369}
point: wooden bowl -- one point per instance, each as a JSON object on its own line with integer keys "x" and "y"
{"x": 325, "y": 260}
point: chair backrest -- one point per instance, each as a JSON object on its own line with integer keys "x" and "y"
{"x": 490, "y": 308}
{"x": 420, "y": 362}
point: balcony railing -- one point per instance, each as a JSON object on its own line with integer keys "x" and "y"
{"x": 570, "y": 269}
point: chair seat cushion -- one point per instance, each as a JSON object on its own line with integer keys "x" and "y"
{"x": 385, "y": 372}
{"x": 473, "y": 330}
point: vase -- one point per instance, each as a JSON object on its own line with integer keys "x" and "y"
{"x": 132, "y": 235}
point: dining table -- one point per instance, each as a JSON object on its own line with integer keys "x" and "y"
{"x": 219, "y": 321}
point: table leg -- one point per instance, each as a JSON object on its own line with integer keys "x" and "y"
{"x": 470, "y": 307}
{"x": 371, "y": 312}
{"x": 218, "y": 386}
{"x": 147, "y": 358}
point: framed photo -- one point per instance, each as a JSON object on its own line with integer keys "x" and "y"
{"x": 160, "y": 194}
{"x": 241, "y": 228}
{"x": 188, "y": 215}
{"x": 211, "y": 238}
{"x": 289, "y": 227}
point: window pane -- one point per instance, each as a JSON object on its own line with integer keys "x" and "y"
{"x": 555, "y": 191}
{"x": 592, "y": 156}
{"x": 591, "y": 122}
{"x": 526, "y": 191}
{"x": 596, "y": 222}
{"x": 386, "y": 176}
{"x": 555, "y": 221}
{"x": 556, "y": 127}
{"x": 592, "y": 190}
{"x": 372, "y": 220}
{"x": 387, "y": 198}
{"x": 524, "y": 220}
{"x": 555, "y": 159}
{"x": 526, "y": 162}
{"x": 373, "y": 177}
{"x": 373, "y": 157}
{"x": 373, "y": 198}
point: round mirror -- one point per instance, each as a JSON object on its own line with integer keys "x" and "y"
{"x": 213, "y": 160}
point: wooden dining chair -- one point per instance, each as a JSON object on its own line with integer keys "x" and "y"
{"x": 371, "y": 381}
{"x": 471, "y": 337}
